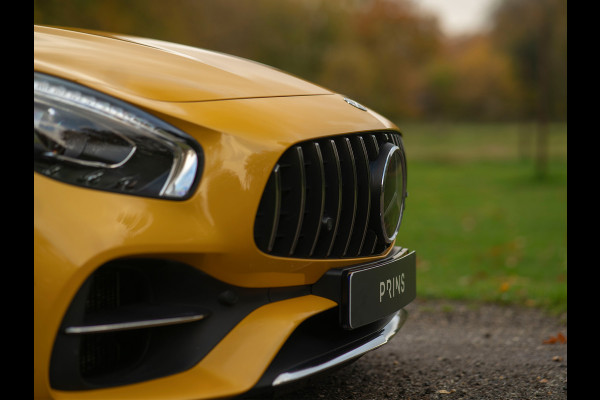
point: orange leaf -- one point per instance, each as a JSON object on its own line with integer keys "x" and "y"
{"x": 560, "y": 338}
{"x": 550, "y": 340}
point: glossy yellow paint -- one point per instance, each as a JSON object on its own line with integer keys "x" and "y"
{"x": 231, "y": 368}
{"x": 243, "y": 127}
{"x": 213, "y": 230}
{"x": 159, "y": 70}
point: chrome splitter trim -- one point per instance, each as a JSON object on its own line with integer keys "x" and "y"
{"x": 384, "y": 336}
{"x": 123, "y": 326}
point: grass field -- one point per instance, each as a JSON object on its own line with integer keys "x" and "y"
{"x": 484, "y": 224}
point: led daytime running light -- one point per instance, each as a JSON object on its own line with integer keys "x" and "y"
{"x": 91, "y": 139}
{"x": 76, "y": 98}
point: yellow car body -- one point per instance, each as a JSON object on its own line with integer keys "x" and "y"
{"x": 243, "y": 116}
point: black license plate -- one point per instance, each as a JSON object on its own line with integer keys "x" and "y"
{"x": 375, "y": 291}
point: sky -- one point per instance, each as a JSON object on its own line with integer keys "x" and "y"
{"x": 458, "y": 17}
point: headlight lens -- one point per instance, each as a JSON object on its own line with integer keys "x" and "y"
{"x": 86, "y": 138}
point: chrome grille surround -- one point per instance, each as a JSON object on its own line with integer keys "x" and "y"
{"x": 319, "y": 201}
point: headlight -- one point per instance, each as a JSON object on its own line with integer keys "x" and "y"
{"x": 86, "y": 138}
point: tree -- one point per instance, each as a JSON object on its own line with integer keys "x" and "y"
{"x": 534, "y": 34}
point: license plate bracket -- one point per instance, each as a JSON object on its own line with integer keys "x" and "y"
{"x": 373, "y": 291}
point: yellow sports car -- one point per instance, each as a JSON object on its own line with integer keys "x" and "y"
{"x": 204, "y": 226}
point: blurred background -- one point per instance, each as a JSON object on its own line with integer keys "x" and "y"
{"x": 482, "y": 104}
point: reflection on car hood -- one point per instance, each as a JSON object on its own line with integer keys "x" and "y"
{"x": 158, "y": 70}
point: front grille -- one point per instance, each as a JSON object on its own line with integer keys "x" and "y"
{"x": 318, "y": 202}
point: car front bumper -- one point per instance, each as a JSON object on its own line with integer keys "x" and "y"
{"x": 264, "y": 339}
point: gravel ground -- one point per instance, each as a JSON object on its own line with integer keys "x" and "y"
{"x": 453, "y": 350}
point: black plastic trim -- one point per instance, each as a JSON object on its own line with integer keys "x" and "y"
{"x": 168, "y": 349}
{"x": 163, "y": 288}
{"x": 316, "y": 340}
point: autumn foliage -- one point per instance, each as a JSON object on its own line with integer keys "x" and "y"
{"x": 384, "y": 53}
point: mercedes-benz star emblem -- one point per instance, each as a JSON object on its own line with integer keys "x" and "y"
{"x": 355, "y": 104}
{"x": 388, "y": 189}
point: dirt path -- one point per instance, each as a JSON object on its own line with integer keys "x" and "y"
{"x": 452, "y": 350}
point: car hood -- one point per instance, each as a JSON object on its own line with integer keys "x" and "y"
{"x": 158, "y": 70}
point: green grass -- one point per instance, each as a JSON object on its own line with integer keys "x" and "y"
{"x": 484, "y": 225}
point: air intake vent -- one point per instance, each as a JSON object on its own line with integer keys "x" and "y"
{"x": 135, "y": 320}
{"x": 319, "y": 200}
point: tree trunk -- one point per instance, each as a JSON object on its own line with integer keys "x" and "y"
{"x": 544, "y": 74}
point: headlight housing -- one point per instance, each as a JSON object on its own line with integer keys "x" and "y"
{"x": 86, "y": 138}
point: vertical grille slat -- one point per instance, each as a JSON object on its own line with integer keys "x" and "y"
{"x": 372, "y": 147}
{"x": 336, "y": 193}
{"x": 276, "y": 206}
{"x": 363, "y": 196}
{"x": 317, "y": 201}
{"x": 299, "y": 165}
{"x": 349, "y": 194}
{"x": 322, "y": 197}
{"x": 269, "y": 212}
